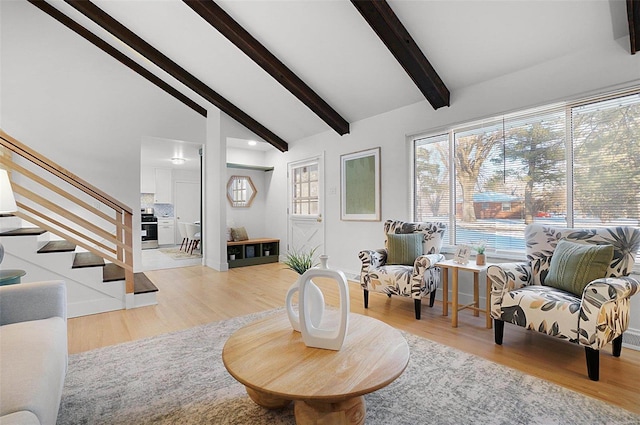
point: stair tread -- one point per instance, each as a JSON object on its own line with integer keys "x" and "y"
{"x": 25, "y": 231}
{"x": 57, "y": 246}
{"x": 112, "y": 272}
{"x": 142, "y": 284}
{"x": 87, "y": 259}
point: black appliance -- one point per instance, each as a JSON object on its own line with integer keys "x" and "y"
{"x": 149, "y": 229}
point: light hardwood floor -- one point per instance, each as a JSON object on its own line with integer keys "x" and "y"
{"x": 196, "y": 295}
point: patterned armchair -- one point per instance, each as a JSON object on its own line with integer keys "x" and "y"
{"x": 415, "y": 280}
{"x": 593, "y": 319}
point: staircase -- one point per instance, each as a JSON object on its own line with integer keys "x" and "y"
{"x": 66, "y": 228}
{"x": 93, "y": 285}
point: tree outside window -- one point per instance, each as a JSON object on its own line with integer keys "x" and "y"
{"x": 513, "y": 171}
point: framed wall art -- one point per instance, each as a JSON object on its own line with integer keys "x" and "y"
{"x": 360, "y": 185}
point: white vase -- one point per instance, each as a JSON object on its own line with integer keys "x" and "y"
{"x": 314, "y": 299}
{"x": 330, "y": 338}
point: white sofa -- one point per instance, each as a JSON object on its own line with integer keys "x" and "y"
{"x": 33, "y": 350}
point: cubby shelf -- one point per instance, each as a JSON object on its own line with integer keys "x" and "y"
{"x": 253, "y": 251}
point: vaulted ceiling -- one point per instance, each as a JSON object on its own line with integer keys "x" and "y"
{"x": 290, "y": 69}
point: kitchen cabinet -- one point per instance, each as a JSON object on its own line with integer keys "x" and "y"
{"x": 163, "y": 193}
{"x": 148, "y": 180}
{"x": 166, "y": 231}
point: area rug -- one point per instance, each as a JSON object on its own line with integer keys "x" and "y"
{"x": 177, "y": 254}
{"x": 179, "y": 378}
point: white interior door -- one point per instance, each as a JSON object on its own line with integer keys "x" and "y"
{"x": 306, "y": 206}
{"x": 187, "y": 203}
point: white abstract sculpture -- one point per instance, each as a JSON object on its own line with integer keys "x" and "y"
{"x": 311, "y": 309}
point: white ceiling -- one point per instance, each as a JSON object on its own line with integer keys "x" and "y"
{"x": 157, "y": 153}
{"x": 330, "y": 47}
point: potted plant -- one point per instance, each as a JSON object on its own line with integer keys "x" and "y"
{"x": 480, "y": 257}
{"x": 300, "y": 262}
{"x": 233, "y": 251}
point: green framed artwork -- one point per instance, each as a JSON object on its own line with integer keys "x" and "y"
{"x": 360, "y": 185}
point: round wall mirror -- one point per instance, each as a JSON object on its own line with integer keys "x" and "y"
{"x": 241, "y": 191}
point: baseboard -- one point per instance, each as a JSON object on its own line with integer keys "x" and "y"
{"x": 86, "y": 308}
{"x": 145, "y": 299}
{"x": 631, "y": 339}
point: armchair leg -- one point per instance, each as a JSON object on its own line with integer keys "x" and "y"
{"x": 617, "y": 346}
{"x": 432, "y": 298}
{"x": 418, "y": 305}
{"x": 498, "y": 326}
{"x": 593, "y": 363}
{"x": 366, "y": 299}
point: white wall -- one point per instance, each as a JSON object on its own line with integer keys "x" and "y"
{"x": 253, "y": 218}
{"x": 73, "y": 103}
{"x": 596, "y": 69}
{"x": 247, "y": 157}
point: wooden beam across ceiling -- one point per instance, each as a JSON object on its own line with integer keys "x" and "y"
{"x": 633, "y": 15}
{"x": 116, "y": 54}
{"x": 235, "y": 33}
{"x": 125, "y": 35}
{"x": 395, "y": 36}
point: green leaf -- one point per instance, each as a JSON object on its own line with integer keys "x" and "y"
{"x": 300, "y": 262}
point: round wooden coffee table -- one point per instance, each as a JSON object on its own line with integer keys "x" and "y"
{"x": 327, "y": 386}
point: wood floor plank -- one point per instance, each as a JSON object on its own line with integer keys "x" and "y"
{"x": 197, "y": 295}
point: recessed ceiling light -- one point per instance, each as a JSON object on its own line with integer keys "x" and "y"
{"x": 252, "y": 143}
{"x": 178, "y": 161}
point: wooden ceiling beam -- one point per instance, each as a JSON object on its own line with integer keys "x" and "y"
{"x": 235, "y": 33}
{"x": 125, "y": 35}
{"x": 116, "y": 54}
{"x": 395, "y": 36}
{"x": 633, "y": 15}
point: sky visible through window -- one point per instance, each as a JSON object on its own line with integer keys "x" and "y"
{"x": 569, "y": 166}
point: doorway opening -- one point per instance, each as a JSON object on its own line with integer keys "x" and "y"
{"x": 171, "y": 193}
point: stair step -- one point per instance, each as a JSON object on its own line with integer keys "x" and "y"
{"x": 25, "y": 231}
{"x": 87, "y": 259}
{"x": 142, "y": 284}
{"x": 112, "y": 272}
{"x": 57, "y": 246}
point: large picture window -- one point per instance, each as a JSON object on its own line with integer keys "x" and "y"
{"x": 573, "y": 165}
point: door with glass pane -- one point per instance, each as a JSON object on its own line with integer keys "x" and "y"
{"x": 305, "y": 212}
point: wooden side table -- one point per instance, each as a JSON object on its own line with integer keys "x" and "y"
{"x": 475, "y": 305}
{"x": 328, "y": 387}
{"x": 10, "y": 277}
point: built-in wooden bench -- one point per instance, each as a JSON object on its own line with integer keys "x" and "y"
{"x": 252, "y": 252}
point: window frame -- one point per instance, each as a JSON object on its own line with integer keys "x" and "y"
{"x": 308, "y": 200}
{"x": 456, "y": 129}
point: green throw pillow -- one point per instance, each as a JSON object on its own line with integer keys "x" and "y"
{"x": 575, "y": 265}
{"x": 404, "y": 248}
